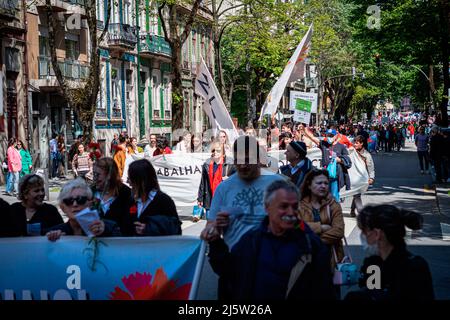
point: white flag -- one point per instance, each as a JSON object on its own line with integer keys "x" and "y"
{"x": 213, "y": 106}
{"x": 294, "y": 70}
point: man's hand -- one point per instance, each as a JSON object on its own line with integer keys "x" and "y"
{"x": 200, "y": 204}
{"x": 210, "y": 233}
{"x": 338, "y": 160}
{"x": 222, "y": 220}
{"x": 370, "y": 181}
{"x": 325, "y": 227}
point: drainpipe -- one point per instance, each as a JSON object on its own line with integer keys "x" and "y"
{"x": 25, "y": 75}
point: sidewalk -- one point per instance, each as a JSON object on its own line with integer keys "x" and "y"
{"x": 443, "y": 198}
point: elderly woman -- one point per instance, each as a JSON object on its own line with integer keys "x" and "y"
{"x": 31, "y": 216}
{"x": 113, "y": 199}
{"x": 156, "y": 214}
{"x": 74, "y": 197}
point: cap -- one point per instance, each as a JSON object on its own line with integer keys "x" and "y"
{"x": 331, "y": 131}
{"x": 299, "y": 147}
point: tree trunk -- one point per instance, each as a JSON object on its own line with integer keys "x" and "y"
{"x": 444, "y": 17}
{"x": 177, "y": 87}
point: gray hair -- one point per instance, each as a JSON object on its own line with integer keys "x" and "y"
{"x": 78, "y": 183}
{"x": 284, "y": 184}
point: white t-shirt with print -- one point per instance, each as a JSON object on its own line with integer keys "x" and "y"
{"x": 244, "y": 201}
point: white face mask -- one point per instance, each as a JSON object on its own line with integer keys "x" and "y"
{"x": 369, "y": 249}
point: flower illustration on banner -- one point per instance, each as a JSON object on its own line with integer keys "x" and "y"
{"x": 139, "y": 286}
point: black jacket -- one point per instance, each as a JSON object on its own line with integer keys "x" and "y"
{"x": 298, "y": 177}
{"x": 161, "y": 217}
{"x": 111, "y": 229}
{"x": 5, "y": 218}
{"x": 237, "y": 268}
{"x": 204, "y": 189}
{"x": 404, "y": 276}
{"x": 47, "y": 215}
{"x": 119, "y": 211}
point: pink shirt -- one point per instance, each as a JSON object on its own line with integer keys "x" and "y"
{"x": 14, "y": 160}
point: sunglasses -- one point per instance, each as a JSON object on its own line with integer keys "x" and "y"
{"x": 81, "y": 200}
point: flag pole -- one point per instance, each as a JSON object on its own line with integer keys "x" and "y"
{"x": 198, "y": 271}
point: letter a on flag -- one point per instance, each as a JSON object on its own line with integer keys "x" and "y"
{"x": 213, "y": 106}
{"x": 294, "y": 70}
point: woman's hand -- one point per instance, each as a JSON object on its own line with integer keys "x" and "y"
{"x": 325, "y": 227}
{"x": 140, "y": 228}
{"x": 97, "y": 228}
{"x": 200, "y": 204}
{"x": 370, "y": 181}
{"x": 54, "y": 235}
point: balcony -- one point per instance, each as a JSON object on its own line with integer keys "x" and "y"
{"x": 154, "y": 45}
{"x": 121, "y": 36}
{"x": 8, "y": 9}
{"x": 68, "y": 7}
{"x": 71, "y": 69}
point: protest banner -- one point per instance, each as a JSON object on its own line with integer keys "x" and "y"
{"x": 76, "y": 268}
{"x": 302, "y": 111}
{"x": 308, "y": 96}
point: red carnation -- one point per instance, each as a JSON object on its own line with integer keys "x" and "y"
{"x": 133, "y": 210}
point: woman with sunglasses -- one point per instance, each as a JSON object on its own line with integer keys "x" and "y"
{"x": 156, "y": 214}
{"x": 27, "y": 162}
{"x": 74, "y": 197}
{"x": 214, "y": 171}
{"x": 113, "y": 198}
{"x": 31, "y": 216}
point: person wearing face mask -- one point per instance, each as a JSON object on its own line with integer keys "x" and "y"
{"x": 404, "y": 276}
{"x": 334, "y": 153}
{"x": 282, "y": 259}
{"x": 74, "y": 197}
{"x": 31, "y": 216}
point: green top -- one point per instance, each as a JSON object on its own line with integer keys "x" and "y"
{"x": 26, "y": 161}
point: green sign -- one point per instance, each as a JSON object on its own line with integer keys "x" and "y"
{"x": 303, "y": 105}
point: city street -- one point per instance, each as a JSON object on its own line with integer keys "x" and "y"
{"x": 399, "y": 182}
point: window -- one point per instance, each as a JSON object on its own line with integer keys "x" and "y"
{"x": 129, "y": 83}
{"x": 155, "y": 96}
{"x": 115, "y": 93}
{"x": 44, "y": 49}
{"x": 127, "y": 13}
{"x": 12, "y": 61}
{"x": 101, "y": 98}
{"x": 72, "y": 49}
{"x": 167, "y": 99}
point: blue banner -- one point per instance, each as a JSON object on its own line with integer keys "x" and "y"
{"x": 78, "y": 268}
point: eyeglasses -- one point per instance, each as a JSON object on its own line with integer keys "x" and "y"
{"x": 81, "y": 200}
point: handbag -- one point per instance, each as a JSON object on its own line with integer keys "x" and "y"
{"x": 332, "y": 169}
{"x": 198, "y": 211}
{"x": 346, "y": 272}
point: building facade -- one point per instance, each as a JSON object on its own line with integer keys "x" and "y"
{"x": 135, "y": 93}
{"x": 13, "y": 75}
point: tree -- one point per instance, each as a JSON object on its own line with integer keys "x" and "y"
{"x": 176, "y": 36}
{"x": 81, "y": 96}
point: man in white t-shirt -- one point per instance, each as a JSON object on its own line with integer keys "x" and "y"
{"x": 237, "y": 206}
{"x": 151, "y": 147}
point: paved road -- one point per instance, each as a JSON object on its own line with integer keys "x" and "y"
{"x": 398, "y": 182}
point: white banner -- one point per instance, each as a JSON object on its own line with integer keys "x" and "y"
{"x": 179, "y": 174}
{"x": 213, "y": 105}
{"x": 294, "y": 70}
{"x": 308, "y": 96}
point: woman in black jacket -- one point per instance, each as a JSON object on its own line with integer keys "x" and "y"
{"x": 214, "y": 171}
{"x": 112, "y": 198}
{"x": 403, "y": 276}
{"x": 156, "y": 214}
{"x": 31, "y": 216}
